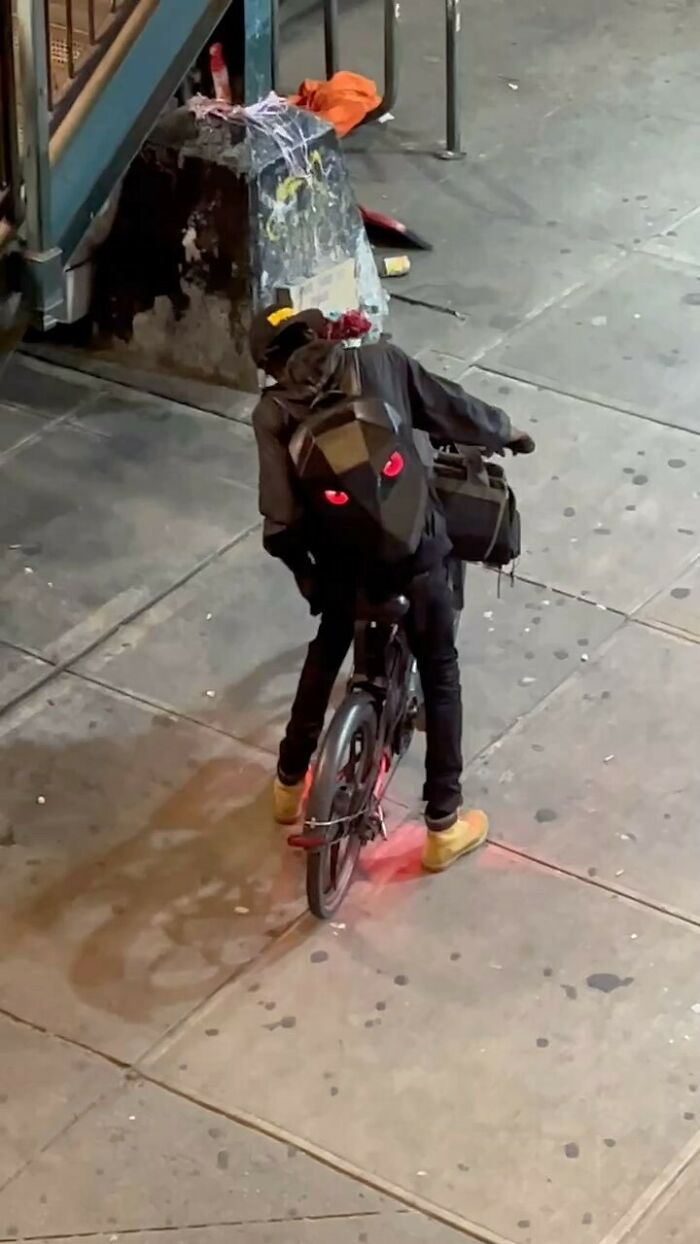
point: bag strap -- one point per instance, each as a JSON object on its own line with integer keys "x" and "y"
{"x": 499, "y": 520}
{"x": 354, "y": 378}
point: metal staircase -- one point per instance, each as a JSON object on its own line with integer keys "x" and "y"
{"x": 81, "y": 84}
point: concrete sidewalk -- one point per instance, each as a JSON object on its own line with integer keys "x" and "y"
{"x": 510, "y": 1052}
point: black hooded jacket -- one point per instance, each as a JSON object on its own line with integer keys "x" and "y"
{"x": 429, "y": 404}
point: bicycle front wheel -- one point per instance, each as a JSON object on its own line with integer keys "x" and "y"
{"x": 341, "y": 791}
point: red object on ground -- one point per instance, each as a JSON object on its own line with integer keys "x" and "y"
{"x": 390, "y": 232}
{"x": 346, "y": 100}
{"x": 219, "y": 73}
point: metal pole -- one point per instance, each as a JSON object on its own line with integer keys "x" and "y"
{"x": 453, "y": 28}
{"x": 31, "y": 26}
{"x": 10, "y": 167}
{"x": 391, "y": 75}
{"x": 275, "y": 44}
{"x": 392, "y": 12}
{"x": 43, "y": 259}
{"x": 330, "y": 26}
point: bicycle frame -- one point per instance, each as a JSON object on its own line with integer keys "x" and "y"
{"x": 383, "y": 666}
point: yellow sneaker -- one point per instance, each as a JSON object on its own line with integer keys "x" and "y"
{"x": 287, "y": 801}
{"x": 469, "y": 831}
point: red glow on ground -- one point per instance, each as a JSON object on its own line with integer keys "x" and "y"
{"x": 397, "y": 859}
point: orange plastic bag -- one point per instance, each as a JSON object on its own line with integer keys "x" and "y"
{"x": 345, "y": 100}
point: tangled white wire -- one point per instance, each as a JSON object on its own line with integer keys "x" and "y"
{"x": 273, "y": 116}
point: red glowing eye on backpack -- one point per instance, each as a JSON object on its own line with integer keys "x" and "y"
{"x": 333, "y": 497}
{"x": 393, "y": 466}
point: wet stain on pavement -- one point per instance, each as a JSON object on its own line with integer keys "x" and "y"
{"x": 287, "y": 1021}
{"x": 608, "y": 982}
{"x": 545, "y": 815}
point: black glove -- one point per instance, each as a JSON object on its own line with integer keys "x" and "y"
{"x": 310, "y": 589}
{"x": 521, "y": 443}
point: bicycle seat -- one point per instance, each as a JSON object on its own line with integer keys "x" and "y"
{"x": 389, "y": 612}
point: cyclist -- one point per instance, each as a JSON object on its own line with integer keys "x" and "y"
{"x": 295, "y": 351}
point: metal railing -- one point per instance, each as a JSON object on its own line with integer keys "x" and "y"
{"x": 331, "y": 32}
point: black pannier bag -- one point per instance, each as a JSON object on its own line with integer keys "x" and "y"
{"x": 480, "y": 509}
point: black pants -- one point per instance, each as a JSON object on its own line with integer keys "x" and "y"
{"x": 430, "y": 630}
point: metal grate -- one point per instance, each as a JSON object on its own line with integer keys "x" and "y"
{"x": 78, "y": 32}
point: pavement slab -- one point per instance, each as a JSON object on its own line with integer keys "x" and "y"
{"x": 516, "y": 644}
{"x": 381, "y": 1228}
{"x": 465, "y": 271}
{"x": 495, "y": 1044}
{"x": 143, "y": 868}
{"x": 46, "y": 392}
{"x": 610, "y": 505}
{"x": 426, "y": 332}
{"x": 155, "y": 431}
{"x": 676, "y": 1220}
{"x": 44, "y": 1085}
{"x": 98, "y": 533}
{"x": 681, "y": 243}
{"x": 597, "y": 169}
{"x": 16, "y": 426}
{"x": 629, "y": 342}
{"x": 18, "y": 672}
{"x": 237, "y": 634}
{"x": 146, "y": 1159}
{"x": 623, "y": 808}
{"x": 678, "y": 606}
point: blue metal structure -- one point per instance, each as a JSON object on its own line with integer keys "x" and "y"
{"x": 76, "y": 151}
{"x": 125, "y": 111}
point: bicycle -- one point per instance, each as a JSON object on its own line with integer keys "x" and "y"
{"x": 368, "y": 736}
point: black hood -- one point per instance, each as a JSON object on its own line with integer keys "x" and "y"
{"x": 315, "y": 369}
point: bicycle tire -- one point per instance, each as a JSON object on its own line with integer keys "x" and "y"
{"x": 357, "y": 716}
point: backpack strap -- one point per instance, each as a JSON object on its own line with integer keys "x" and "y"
{"x": 353, "y": 377}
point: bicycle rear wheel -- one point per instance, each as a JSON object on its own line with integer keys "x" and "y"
{"x": 341, "y": 790}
